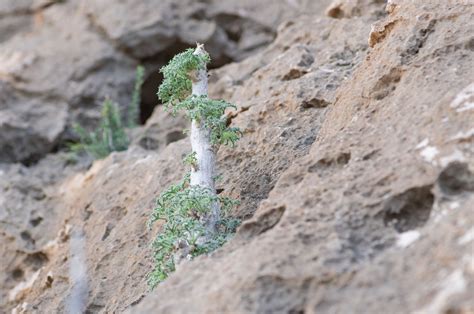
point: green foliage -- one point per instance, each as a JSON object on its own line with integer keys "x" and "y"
{"x": 175, "y": 93}
{"x": 185, "y": 208}
{"x": 182, "y": 207}
{"x": 210, "y": 112}
{"x": 191, "y": 160}
{"x": 176, "y": 85}
{"x": 134, "y": 107}
{"x": 110, "y": 135}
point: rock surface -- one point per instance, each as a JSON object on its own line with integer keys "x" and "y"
{"x": 48, "y": 66}
{"x": 52, "y": 75}
{"x": 371, "y": 197}
{"x": 355, "y": 175}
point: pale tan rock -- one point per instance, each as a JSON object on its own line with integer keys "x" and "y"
{"x": 330, "y": 174}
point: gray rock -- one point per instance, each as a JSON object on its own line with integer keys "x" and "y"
{"x": 54, "y": 67}
{"x": 29, "y": 127}
{"x": 53, "y": 76}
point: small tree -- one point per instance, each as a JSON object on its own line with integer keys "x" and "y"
{"x": 196, "y": 218}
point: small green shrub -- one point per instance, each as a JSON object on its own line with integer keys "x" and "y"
{"x": 211, "y": 112}
{"x": 175, "y": 92}
{"x": 180, "y": 208}
{"x": 176, "y": 85}
{"x": 191, "y": 160}
{"x": 110, "y": 135}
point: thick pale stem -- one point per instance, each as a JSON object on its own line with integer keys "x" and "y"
{"x": 204, "y": 172}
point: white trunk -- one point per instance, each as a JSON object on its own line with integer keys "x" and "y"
{"x": 204, "y": 172}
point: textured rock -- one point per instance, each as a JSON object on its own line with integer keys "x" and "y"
{"x": 88, "y": 202}
{"x": 48, "y": 80}
{"x": 29, "y": 221}
{"x": 355, "y": 176}
{"x": 350, "y": 8}
{"x": 46, "y": 63}
{"x": 161, "y": 129}
{"x": 339, "y": 244}
{"x": 287, "y": 132}
{"x": 29, "y": 126}
{"x": 231, "y": 30}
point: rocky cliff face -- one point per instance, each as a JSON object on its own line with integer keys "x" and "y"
{"x": 59, "y": 59}
{"x": 355, "y": 172}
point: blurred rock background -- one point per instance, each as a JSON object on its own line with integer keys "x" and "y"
{"x": 355, "y": 172}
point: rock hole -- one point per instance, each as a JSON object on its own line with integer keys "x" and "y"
{"x": 107, "y": 231}
{"x": 294, "y": 74}
{"x": 149, "y": 143}
{"x": 469, "y": 45}
{"x": 232, "y": 25}
{"x": 417, "y": 41}
{"x": 17, "y": 274}
{"x": 335, "y": 13}
{"x": 387, "y": 84}
{"x": 86, "y": 212}
{"x": 94, "y": 308}
{"x": 370, "y": 155}
{"x": 314, "y": 103}
{"x": 339, "y": 161}
{"x": 236, "y": 28}
{"x": 117, "y": 213}
{"x": 149, "y": 99}
{"x": 261, "y": 223}
{"x": 456, "y": 178}
{"x": 275, "y": 294}
{"x": 36, "y": 260}
{"x": 174, "y": 136}
{"x": 26, "y": 236}
{"x": 140, "y": 298}
{"x": 410, "y": 209}
{"x": 49, "y": 281}
{"x": 343, "y": 158}
{"x": 153, "y": 78}
{"x": 36, "y": 221}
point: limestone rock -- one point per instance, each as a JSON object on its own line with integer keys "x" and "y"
{"x": 350, "y": 8}
{"x": 355, "y": 175}
{"x": 52, "y": 76}
{"x": 336, "y": 247}
{"x": 50, "y": 63}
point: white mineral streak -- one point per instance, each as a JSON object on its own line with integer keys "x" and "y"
{"x": 464, "y": 101}
{"x": 77, "y": 300}
{"x": 429, "y": 153}
{"x": 405, "y": 239}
